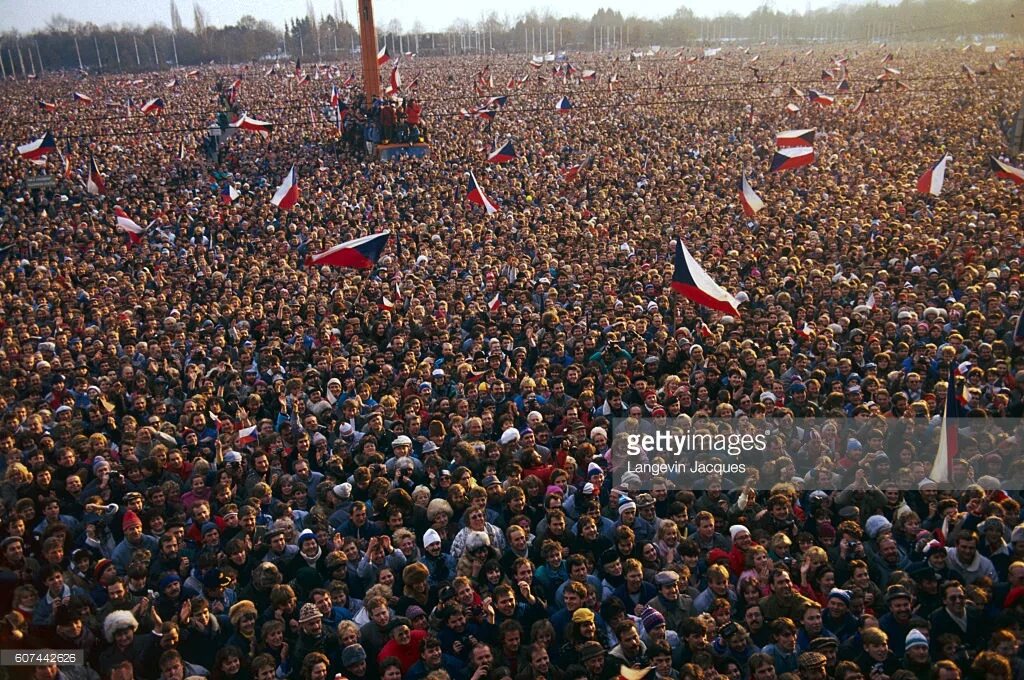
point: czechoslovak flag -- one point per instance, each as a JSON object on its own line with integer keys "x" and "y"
{"x": 229, "y": 194}
{"x": 494, "y": 304}
{"x": 477, "y": 195}
{"x": 155, "y": 105}
{"x": 247, "y": 123}
{"x": 382, "y": 56}
{"x": 503, "y": 154}
{"x": 563, "y": 105}
{"x": 1005, "y": 171}
{"x": 83, "y": 98}
{"x": 942, "y": 466}
{"x": 791, "y": 159}
{"x": 360, "y": 253}
{"x": 95, "y": 184}
{"x": 128, "y": 225}
{"x": 691, "y": 281}
{"x": 752, "y": 203}
{"x": 248, "y": 435}
{"x": 795, "y": 138}
{"x": 39, "y": 148}
{"x": 931, "y": 181}
{"x": 287, "y": 195}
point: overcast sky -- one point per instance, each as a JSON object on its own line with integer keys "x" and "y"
{"x": 28, "y": 15}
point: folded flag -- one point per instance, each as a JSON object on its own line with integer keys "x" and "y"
{"x": 82, "y": 98}
{"x": 229, "y": 194}
{"x": 95, "y": 184}
{"x": 948, "y": 449}
{"x": 503, "y": 154}
{"x": 128, "y": 225}
{"x": 172, "y": 83}
{"x": 253, "y": 125}
{"x": 382, "y": 56}
{"x": 287, "y": 194}
{"x": 1005, "y": 171}
{"x": 751, "y": 202}
{"x": 933, "y": 178}
{"x": 155, "y": 105}
{"x": 791, "y": 158}
{"x": 39, "y": 148}
{"x": 249, "y": 435}
{"x": 691, "y": 281}
{"x": 194, "y": 73}
{"x": 360, "y": 253}
{"x": 350, "y": 80}
{"x": 795, "y": 138}
{"x": 870, "y": 302}
{"x": 563, "y": 105}
{"x": 827, "y": 76}
{"x": 477, "y": 195}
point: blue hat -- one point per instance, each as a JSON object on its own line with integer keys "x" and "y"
{"x": 209, "y": 526}
{"x": 853, "y": 444}
{"x": 168, "y": 580}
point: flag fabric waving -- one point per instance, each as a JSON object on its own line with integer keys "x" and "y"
{"x": 563, "y": 105}
{"x": 477, "y": 195}
{"x": 820, "y": 99}
{"x": 382, "y": 56}
{"x": 691, "y": 281}
{"x": 128, "y": 225}
{"x": 287, "y": 194}
{"x": 249, "y": 435}
{"x": 751, "y": 202}
{"x": 47, "y": 106}
{"x": 494, "y": 304}
{"x": 360, "y": 253}
{"x": 229, "y": 194}
{"x": 503, "y": 154}
{"x": 859, "y": 106}
{"x": 155, "y": 105}
{"x": 1005, "y": 171}
{"x": 246, "y": 123}
{"x": 942, "y": 466}
{"x": 933, "y": 178}
{"x": 39, "y": 148}
{"x": 792, "y": 158}
{"x": 95, "y": 184}
{"x": 795, "y": 138}
{"x": 82, "y": 98}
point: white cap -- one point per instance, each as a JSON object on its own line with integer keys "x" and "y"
{"x": 737, "y": 529}
{"x": 508, "y": 436}
{"x": 401, "y": 440}
{"x": 430, "y": 537}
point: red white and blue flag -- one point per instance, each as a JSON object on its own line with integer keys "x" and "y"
{"x": 1006, "y": 171}
{"x": 588, "y": 74}
{"x": 933, "y": 178}
{"x": 39, "y": 148}
{"x": 382, "y": 56}
{"x": 820, "y": 99}
{"x": 395, "y": 82}
{"x": 253, "y": 125}
{"x": 791, "y": 158}
{"x": 477, "y": 195}
{"x": 792, "y": 108}
{"x": 47, "y": 106}
{"x": 503, "y": 154}
{"x": 287, "y": 194}
{"x": 95, "y": 184}
{"x": 360, "y": 253}
{"x": 942, "y": 466}
{"x": 494, "y": 304}
{"x": 691, "y": 281}
{"x": 82, "y": 98}
{"x": 859, "y": 106}
{"x": 128, "y": 225}
{"x": 155, "y": 105}
{"x": 795, "y": 138}
{"x": 563, "y": 105}
{"x": 334, "y": 96}
{"x": 844, "y": 86}
{"x": 229, "y": 194}
{"x": 249, "y": 435}
{"x": 752, "y": 203}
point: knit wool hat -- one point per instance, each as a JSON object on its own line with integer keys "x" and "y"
{"x": 915, "y": 638}
{"x": 737, "y": 530}
{"x": 651, "y": 618}
{"x": 130, "y": 520}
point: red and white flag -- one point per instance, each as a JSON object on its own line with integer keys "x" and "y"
{"x": 477, "y": 195}
{"x": 128, "y": 225}
{"x": 933, "y": 178}
{"x": 752, "y": 203}
{"x": 247, "y": 123}
{"x": 1006, "y": 171}
{"x": 382, "y": 56}
{"x": 95, "y": 184}
{"x": 495, "y": 303}
{"x": 795, "y": 138}
{"x": 287, "y": 194}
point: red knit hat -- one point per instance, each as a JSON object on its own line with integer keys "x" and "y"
{"x": 130, "y": 520}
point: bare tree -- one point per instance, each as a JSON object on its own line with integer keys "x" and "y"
{"x": 200, "y": 19}
{"x": 176, "y": 25}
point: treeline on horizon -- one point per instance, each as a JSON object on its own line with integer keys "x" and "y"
{"x": 128, "y": 48}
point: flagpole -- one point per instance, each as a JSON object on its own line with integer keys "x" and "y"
{"x": 117, "y": 53}
{"x": 138, "y": 59}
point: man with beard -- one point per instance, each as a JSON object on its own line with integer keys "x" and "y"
{"x": 312, "y": 636}
{"x": 167, "y": 558}
{"x": 631, "y": 651}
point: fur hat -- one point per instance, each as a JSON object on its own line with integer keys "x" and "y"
{"x": 417, "y": 572}
{"x": 476, "y": 540}
{"x": 239, "y": 609}
{"x": 118, "y": 620}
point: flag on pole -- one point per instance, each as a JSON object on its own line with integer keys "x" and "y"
{"x": 932, "y": 180}
{"x": 948, "y": 449}
{"x": 155, "y": 105}
{"x": 182, "y": 152}
{"x": 382, "y": 56}
{"x": 477, "y": 195}
{"x": 494, "y": 304}
{"x": 95, "y": 184}
{"x": 691, "y": 281}
{"x": 792, "y": 158}
{"x": 128, "y": 225}
{"x": 247, "y": 123}
{"x": 287, "y": 194}
{"x": 229, "y": 194}
{"x": 751, "y": 202}
{"x": 859, "y": 106}
{"x": 386, "y": 305}
{"x": 1006, "y": 171}
{"x": 360, "y": 253}
{"x": 503, "y": 154}
{"x": 870, "y": 302}
{"x": 39, "y": 148}
{"x": 335, "y": 98}
{"x": 47, "y": 106}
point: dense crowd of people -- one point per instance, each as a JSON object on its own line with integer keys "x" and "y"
{"x": 433, "y": 488}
